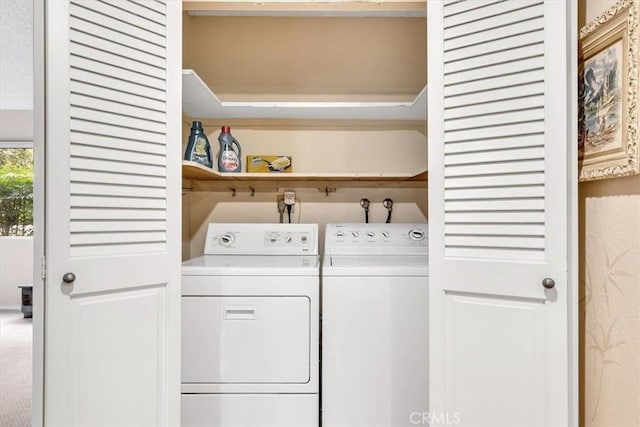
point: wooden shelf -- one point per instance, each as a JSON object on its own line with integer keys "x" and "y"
{"x": 195, "y": 171}
{"x": 199, "y": 101}
{"x": 404, "y": 9}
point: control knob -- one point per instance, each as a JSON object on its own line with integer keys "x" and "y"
{"x": 416, "y": 234}
{"x": 227, "y": 239}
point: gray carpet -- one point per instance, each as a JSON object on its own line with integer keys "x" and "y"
{"x": 15, "y": 369}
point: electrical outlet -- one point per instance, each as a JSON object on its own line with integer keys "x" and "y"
{"x": 282, "y": 205}
{"x": 289, "y": 198}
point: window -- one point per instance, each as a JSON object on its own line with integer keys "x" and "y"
{"x": 16, "y": 191}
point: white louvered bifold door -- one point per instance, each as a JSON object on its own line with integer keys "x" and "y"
{"x": 502, "y": 191}
{"x": 113, "y": 149}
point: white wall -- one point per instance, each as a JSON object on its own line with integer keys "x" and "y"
{"x": 16, "y": 268}
{"x": 609, "y": 295}
{"x": 16, "y": 55}
{"x": 16, "y": 73}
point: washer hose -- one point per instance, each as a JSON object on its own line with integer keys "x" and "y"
{"x": 388, "y": 204}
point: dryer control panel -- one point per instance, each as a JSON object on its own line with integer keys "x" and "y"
{"x": 261, "y": 239}
{"x": 376, "y": 239}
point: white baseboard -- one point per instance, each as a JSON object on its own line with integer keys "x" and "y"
{"x": 10, "y": 308}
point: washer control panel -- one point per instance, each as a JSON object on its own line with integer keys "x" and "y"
{"x": 261, "y": 239}
{"x": 288, "y": 239}
{"x": 376, "y": 238}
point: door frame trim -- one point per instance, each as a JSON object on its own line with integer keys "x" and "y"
{"x": 39, "y": 62}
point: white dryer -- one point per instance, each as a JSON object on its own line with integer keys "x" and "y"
{"x": 250, "y": 327}
{"x": 375, "y": 325}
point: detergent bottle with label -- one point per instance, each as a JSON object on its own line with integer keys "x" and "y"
{"x": 198, "y": 148}
{"x": 229, "y": 157}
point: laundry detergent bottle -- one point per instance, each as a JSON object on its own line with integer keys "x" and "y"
{"x": 229, "y": 157}
{"x": 198, "y": 147}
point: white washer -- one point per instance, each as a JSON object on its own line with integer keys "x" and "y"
{"x": 250, "y": 327}
{"x": 375, "y": 325}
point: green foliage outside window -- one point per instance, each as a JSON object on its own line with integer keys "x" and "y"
{"x": 16, "y": 192}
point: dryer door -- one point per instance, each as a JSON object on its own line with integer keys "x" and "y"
{"x": 246, "y": 339}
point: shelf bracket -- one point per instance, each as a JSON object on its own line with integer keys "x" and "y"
{"x": 233, "y": 191}
{"x": 252, "y": 191}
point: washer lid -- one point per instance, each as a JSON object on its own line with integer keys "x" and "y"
{"x": 251, "y": 265}
{"x": 376, "y": 265}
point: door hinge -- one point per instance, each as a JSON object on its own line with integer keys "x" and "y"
{"x": 43, "y": 267}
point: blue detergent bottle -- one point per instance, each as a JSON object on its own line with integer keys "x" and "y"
{"x": 198, "y": 148}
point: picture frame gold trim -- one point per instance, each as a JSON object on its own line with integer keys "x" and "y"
{"x": 617, "y": 24}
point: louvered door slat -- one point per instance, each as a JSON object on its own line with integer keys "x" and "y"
{"x": 88, "y": 189}
{"x": 501, "y": 94}
{"x": 495, "y": 180}
{"x": 95, "y": 103}
{"x": 116, "y": 226}
{"x": 509, "y": 54}
{"x": 496, "y": 107}
{"x": 95, "y": 239}
{"x": 154, "y": 5}
{"x": 529, "y": 25}
{"x": 530, "y": 62}
{"x": 132, "y": 202}
{"x": 131, "y": 19}
{"x": 495, "y": 156}
{"x": 88, "y": 127}
{"x": 520, "y": 11}
{"x": 512, "y": 253}
{"x": 515, "y": 78}
{"x": 80, "y": 36}
{"x": 494, "y": 124}
{"x": 109, "y": 65}
{"x": 496, "y": 229}
{"x": 91, "y": 73}
{"x": 89, "y": 176}
{"x": 456, "y": 7}
{"x": 97, "y": 214}
{"x": 85, "y": 22}
{"x": 112, "y": 94}
{"x": 494, "y": 168}
{"x": 496, "y": 119}
{"x": 485, "y": 12}
{"x": 91, "y": 12}
{"x": 494, "y": 131}
{"x": 509, "y": 217}
{"x": 515, "y": 205}
{"x": 81, "y": 163}
{"x": 123, "y": 144}
{"x": 118, "y": 119}
{"x": 514, "y": 242}
{"x": 108, "y": 153}
{"x": 474, "y": 146}
{"x": 140, "y": 10}
{"x": 510, "y": 192}
{"x": 493, "y": 46}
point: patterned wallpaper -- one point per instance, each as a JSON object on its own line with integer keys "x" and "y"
{"x": 611, "y": 307}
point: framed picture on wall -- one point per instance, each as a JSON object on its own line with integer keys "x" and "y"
{"x": 608, "y": 94}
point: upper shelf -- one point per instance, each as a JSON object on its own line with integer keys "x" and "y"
{"x": 198, "y": 101}
{"x": 394, "y": 9}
